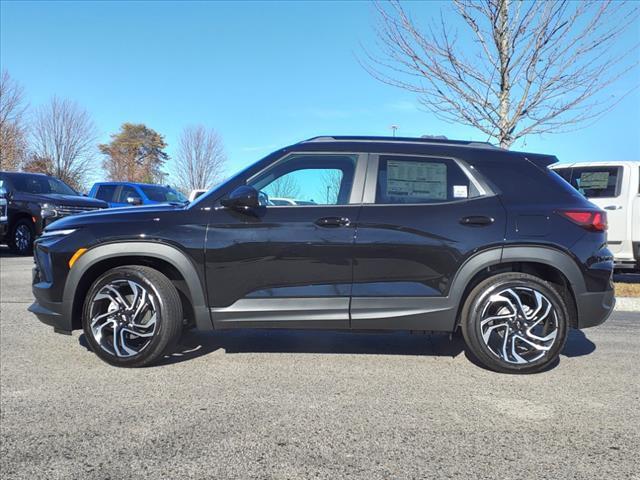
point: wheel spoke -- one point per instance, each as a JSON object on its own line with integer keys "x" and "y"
{"x": 512, "y": 322}
{"x": 124, "y": 318}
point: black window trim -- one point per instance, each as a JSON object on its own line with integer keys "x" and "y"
{"x": 356, "y": 195}
{"x": 369, "y": 197}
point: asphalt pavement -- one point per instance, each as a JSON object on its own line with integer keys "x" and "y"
{"x": 297, "y": 405}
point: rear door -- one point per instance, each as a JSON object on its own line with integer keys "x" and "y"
{"x": 608, "y": 188}
{"x": 421, "y": 218}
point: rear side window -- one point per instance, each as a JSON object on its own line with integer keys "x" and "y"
{"x": 404, "y": 179}
{"x": 597, "y": 182}
{"x": 106, "y": 193}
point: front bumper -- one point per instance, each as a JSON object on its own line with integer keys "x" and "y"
{"x": 594, "y": 308}
{"x": 51, "y": 317}
{"x": 49, "y": 312}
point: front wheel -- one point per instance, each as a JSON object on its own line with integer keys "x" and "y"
{"x": 132, "y": 316}
{"x": 515, "y": 323}
{"x": 22, "y": 236}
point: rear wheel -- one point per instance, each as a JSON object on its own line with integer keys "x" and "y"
{"x": 515, "y": 323}
{"x": 22, "y": 236}
{"x": 132, "y": 316}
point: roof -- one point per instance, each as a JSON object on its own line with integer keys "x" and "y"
{"x": 604, "y": 163}
{"x": 126, "y": 182}
{"x": 396, "y": 140}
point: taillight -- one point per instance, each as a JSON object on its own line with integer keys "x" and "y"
{"x": 595, "y": 220}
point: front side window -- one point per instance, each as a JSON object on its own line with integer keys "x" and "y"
{"x": 304, "y": 180}
{"x": 405, "y": 179}
{"x": 596, "y": 182}
{"x": 127, "y": 192}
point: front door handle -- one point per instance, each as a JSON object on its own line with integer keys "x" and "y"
{"x": 333, "y": 222}
{"x": 613, "y": 207}
{"x": 477, "y": 220}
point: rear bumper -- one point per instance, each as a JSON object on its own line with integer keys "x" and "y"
{"x": 594, "y": 308}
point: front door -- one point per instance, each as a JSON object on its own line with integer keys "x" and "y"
{"x": 289, "y": 264}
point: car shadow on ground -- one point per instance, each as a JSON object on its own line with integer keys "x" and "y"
{"x": 196, "y": 344}
{"x": 5, "y": 252}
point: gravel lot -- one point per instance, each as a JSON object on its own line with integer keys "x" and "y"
{"x": 311, "y": 405}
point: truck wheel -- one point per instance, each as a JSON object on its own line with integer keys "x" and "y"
{"x": 22, "y": 236}
{"x": 132, "y": 316}
{"x": 515, "y": 323}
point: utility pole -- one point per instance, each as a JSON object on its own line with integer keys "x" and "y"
{"x": 393, "y": 129}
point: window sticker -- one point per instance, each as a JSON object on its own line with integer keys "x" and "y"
{"x": 417, "y": 179}
{"x": 594, "y": 180}
{"x": 460, "y": 191}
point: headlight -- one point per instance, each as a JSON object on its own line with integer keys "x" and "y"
{"x": 49, "y": 210}
{"x": 51, "y": 233}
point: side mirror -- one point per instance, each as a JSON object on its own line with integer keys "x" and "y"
{"x": 134, "y": 200}
{"x": 244, "y": 199}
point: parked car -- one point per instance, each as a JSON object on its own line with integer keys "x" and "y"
{"x": 4, "y": 221}
{"x": 422, "y": 235}
{"x": 614, "y": 187}
{"x": 289, "y": 201}
{"x": 34, "y": 201}
{"x": 195, "y": 194}
{"x": 124, "y": 194}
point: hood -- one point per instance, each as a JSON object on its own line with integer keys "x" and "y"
{"x": 59, "y": 199}
{"x": 136, "y": 214}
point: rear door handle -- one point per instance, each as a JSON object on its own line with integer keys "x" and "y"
{"x": 333, "y": 222}
{"x": 477, "y": 220}
{"x": 613, "y": 207}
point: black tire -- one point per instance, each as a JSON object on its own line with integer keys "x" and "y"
{"x": 22, "y": 237}
{"x": 488, "y": 296}
{"x": 162, "y": 298}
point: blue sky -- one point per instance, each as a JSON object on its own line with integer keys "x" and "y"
{"x": 263, "y": 74}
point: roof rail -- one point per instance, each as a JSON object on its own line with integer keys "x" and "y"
{"x": 426, "y": 140}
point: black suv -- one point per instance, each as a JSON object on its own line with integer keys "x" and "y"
{"x": 33, "y": 201}
{"x": 380, "y": 234}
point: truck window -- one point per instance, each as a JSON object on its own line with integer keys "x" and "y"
{"x": 597, "y": 182}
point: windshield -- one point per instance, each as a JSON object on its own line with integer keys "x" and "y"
{"x": 40, "y": 184}
{"x": 157, "y": 193}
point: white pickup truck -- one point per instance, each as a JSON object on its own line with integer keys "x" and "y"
{"x": 614, "y": 187}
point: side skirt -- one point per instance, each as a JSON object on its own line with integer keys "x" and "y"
{"x": 367, "y": 313}
{"x": 313, "y": 313}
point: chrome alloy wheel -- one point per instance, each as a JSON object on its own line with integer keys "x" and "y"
{"x": 22, "y": 237}
{"x": 123, "y": 318}
{"x": 519, "y": 325}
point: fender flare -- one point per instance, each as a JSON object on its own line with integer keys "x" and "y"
{"x": 526, "y": 253}
{"x": 161, "y": 251}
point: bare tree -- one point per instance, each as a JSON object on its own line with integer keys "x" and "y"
{"x": 64, "y": 134}
{"x": 201, "y": 159}
{"x": 523, "y": 67}
{"x": 330, "y": 186}
{"x": 13, "y": 133}
{"x": 284, "y": 187}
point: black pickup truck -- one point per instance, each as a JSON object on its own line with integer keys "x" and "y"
{"x": 33, "y": 201}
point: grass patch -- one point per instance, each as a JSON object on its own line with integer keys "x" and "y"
{"x": 627, "y": 289}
